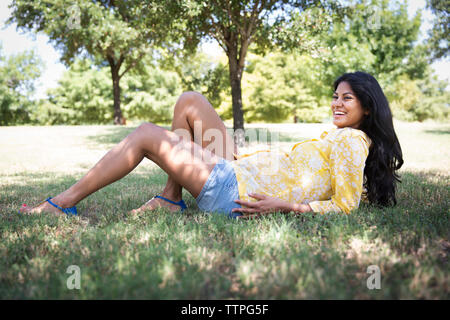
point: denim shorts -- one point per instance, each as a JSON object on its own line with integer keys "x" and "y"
{"x": 220, "y": 191}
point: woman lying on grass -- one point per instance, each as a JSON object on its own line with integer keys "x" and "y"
{"x": 323, "y": 175}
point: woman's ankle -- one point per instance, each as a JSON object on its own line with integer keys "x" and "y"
{"x": 174, "y": 196}
{"x": 64, "y": 200}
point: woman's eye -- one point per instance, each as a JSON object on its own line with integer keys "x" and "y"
{"x": 335, "y": 97}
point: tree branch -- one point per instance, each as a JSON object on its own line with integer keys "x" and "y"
{"x": 224, "y": 44}
{"x": 231, "y": 16}
{"x": 254, "y": 16}
{"x": 243, "y": 52}
{"x": 133, "y": 64}
{"x": 219, "y": 33}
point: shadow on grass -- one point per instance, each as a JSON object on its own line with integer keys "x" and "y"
{"x": 438, "y": 131}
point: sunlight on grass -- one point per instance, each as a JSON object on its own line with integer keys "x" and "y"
{"x": 368, "y": 251}
{"x": 204, "y": 258}
{"x": 248, "y": 272}
{"x": 167, "y": 272}
{"x": 277, "y": 236}
{"x": 425, "y": 146}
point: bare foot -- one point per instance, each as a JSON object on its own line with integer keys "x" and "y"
{"x": 41, "y": 207}
{"x": 154, "y": 204}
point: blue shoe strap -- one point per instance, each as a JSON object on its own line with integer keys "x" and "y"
{"x": 71, "y": 210}
{"x": 179, "y": 203}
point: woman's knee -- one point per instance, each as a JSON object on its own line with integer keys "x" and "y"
{"x": 146, "y": 126}
{"x": 191, "y": 96}
{"x": 149, "y": 135}
{"x": 147, "y": 129}
{"x": 189, "y": 100}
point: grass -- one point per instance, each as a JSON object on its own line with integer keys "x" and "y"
{"x": 200, "y": 256}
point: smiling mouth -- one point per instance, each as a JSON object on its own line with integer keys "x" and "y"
{"x": 339, "y": 113}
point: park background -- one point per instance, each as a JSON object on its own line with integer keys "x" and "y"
{"x": 57, "y": 115}
{"x": 287, "y": 79}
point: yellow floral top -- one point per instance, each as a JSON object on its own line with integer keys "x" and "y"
{"x": 327, "y": 173}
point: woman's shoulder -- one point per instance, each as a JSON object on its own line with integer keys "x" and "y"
{"x": 341, "y": 134}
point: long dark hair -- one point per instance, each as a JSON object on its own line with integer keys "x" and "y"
{"x": 385, "y": 153}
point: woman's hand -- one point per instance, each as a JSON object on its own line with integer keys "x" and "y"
{"x": 266, "y": 205}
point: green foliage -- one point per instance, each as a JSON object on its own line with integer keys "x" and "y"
{"x": 119, "y": 33}
{"x": 320, "y": 42}
{"x": 198, "y": 72}
{"x": 374, "y": 36}
{"x": 17, "y": 80}
{"x": 436, "y": 104}
{"x": 385, "y": 26}
{"x": 105, "y": 30}
{"x": 84, "y": 95}
{"x": 237, "y": 24}
{"x": 418, "y": 100}
{"x": 275, "y": 90}
{"x": 439, "y": 35}
{"x": 151, "y": 94}
{"x": 378, "y": 37}
{"x": 297, "y": 30}
{"x": 347, "y": 53}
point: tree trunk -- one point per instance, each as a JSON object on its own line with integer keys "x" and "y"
{"x": 236, "y": 95}
{"x": 118, "y": 119}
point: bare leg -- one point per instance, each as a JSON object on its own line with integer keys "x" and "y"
{"x": 194, "y": 115}
{"x": 187, "y": 163}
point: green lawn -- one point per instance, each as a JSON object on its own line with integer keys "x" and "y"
{"x": 199, "y": 256}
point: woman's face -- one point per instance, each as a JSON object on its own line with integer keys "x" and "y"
{"x": 346, "y": 108}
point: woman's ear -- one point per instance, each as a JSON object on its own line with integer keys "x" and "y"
{"x": 366, "y": 112}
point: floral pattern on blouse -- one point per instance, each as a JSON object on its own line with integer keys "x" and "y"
{"x": 327, "y": 173}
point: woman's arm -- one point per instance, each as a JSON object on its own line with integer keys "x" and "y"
{"x": 267, "y": 204}
{"x": 299, "y": 208}
{"x": 347, "y": 161}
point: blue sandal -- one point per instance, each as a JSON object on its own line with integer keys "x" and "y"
{"x": 69, "y": 211}
{"x": 179, "y": 203}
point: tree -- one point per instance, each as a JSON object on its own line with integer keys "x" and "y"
{"x": 377, "y": 36}
{"x": 279, "y": 84}
{"x": 115, "y": 33}
{"x": 276, "y": 88}
{"x": 198, "y": 72}
{"x": 386, "y": 28}
{"x": 420, "y": 99}
{"x": 439, "y": 35}
{"x": 151, "y": 93}
{"x": 237, "y": 24}
{"x": 85, "y": 96}
{"x": 18, "y": 74}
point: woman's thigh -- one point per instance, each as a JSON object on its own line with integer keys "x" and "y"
{"x": 185, "y": 161}
{"x": 194, "y": 114}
